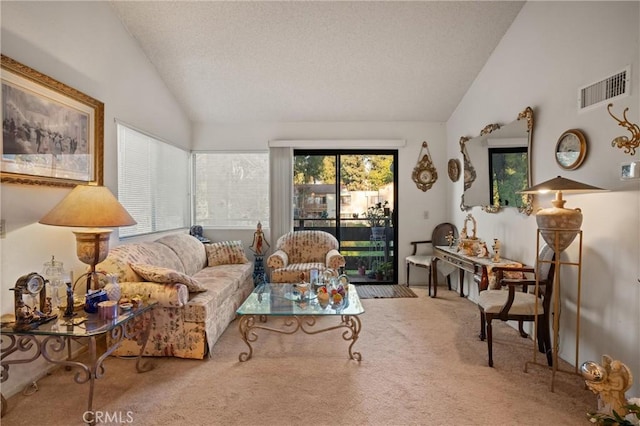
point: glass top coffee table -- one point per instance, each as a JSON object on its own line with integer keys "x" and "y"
{"x": 299, "y": 311}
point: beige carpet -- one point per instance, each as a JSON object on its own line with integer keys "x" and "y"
{"x": 422, "y": 365}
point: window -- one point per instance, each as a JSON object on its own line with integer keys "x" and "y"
{"x": 231, "y": 190}
{"x": 153, "y": 183}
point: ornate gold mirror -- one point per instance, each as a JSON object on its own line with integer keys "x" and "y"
{"x": 497, "y": 164}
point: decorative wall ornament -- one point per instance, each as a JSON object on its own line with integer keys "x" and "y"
{"x": 424, "y": 173}
{"x": 623, "y": 142}
{"x": 453, "y": 167}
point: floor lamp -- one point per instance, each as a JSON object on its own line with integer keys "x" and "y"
{"x": 91, "y": 207}
{"x": 559, "y": 226}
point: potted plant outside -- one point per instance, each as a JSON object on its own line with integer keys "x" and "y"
{"x": 386, "y": 269}
{"x": 362, "y": 267}
{"x": 377, "y": 216}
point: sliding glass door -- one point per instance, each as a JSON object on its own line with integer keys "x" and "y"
{"x": 352, "y": 195}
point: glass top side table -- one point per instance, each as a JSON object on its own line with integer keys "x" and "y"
{"x": 50, "y": 339}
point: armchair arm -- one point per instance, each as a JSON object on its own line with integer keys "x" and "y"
{"x": 334, "y": 259}
{"x": 167, "y": 295}
{"x": 416, "y": 243}
{"x": 512, "y": 283}
{"x": 513, "y": 275}
{"x": 278, "y": 259}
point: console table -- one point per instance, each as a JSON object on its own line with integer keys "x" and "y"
{"x": 53, "y": 337}
{"x": 478, "y": 266}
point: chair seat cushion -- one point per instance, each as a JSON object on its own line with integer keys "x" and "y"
{"x": 291, "y": 273}
{"x": 492, "y": 301}
{"x": 419, "y": 260}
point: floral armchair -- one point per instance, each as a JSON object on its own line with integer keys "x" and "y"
{"x": 298, "y": 252}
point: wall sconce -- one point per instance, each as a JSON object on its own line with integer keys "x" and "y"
{"x": 629, "y": 145}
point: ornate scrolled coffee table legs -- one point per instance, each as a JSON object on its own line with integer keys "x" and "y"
{"x": 292, "y": 324}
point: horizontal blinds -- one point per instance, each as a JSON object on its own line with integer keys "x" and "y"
{"x": 231, "y": 189}
{"x": 153, "y": 182}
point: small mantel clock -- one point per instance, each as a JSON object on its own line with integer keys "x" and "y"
{"x": 34, "y": 285}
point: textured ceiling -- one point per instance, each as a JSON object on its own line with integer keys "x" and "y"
{"x": 317, "y": 61}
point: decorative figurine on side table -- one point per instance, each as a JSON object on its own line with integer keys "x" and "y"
{"x": 496, "y": 250}
{"x": 483, "y": 251}
{"x": 68, "y": 312}
{"x": 259, "y": 275}
{"x": 450, "y": 239}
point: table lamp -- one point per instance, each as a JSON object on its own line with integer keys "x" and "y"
{"x": 559, "y": 226}
{"x": 92, "y": 207}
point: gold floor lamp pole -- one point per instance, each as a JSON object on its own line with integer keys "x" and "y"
{"x": 559, "y": 227}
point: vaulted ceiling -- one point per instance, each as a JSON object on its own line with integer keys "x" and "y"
{"x": 316, "y": 60}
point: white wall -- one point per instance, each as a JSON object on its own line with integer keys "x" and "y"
{"x": 551, "y": 50}
{"x": 83, "y": 45}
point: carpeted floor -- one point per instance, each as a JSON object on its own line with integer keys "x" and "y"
{"x": 422, "y": 364}
{"x": 383, "y": 291}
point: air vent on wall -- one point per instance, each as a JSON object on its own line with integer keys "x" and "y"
{"x": 605, "y": 90}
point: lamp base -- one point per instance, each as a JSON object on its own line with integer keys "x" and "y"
{"x": 92, "y": 247}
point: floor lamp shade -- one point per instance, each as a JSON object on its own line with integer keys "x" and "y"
{"x": 558, "y": 225}
{"x": 91, "y": 207}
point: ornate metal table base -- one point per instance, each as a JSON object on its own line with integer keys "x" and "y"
{"x": 50, "y": 345}
{"x": 292, "y": 324}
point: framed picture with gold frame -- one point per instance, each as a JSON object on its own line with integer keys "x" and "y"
{"x": 571, "y": 149}
{"x": 52, "y": 133}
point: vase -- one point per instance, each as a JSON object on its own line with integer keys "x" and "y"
{"x": 559, "y": 226}
{"x": 113, "y": 288}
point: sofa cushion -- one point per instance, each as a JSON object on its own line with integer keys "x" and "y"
{"x": 222, "y": 282}
{"x": 120, "y": 257}
{"x": 167, "y": 295}
{"x": 189, "y": 250}
{"x": 226, "y": 253}
{"x": 159, "y": 274}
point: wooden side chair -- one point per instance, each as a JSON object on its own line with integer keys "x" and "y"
{"x": 515, "y": 300}
{"x": 438, "y": 238}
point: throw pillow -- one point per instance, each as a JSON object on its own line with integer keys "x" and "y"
{"x": 159, "y": 274}
{"x": 226, "y": 253}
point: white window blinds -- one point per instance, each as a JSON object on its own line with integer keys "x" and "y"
{"x": 153, "y": 182}
{"x": 231, "y": 189}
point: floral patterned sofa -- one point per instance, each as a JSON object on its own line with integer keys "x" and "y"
{"x": 198, "y": 288}
{"x": 298, "y": 252}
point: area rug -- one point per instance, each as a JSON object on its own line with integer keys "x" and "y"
{"x": 383, "y": 291}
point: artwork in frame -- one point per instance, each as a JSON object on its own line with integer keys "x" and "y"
{"x": 52, "y": 134}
